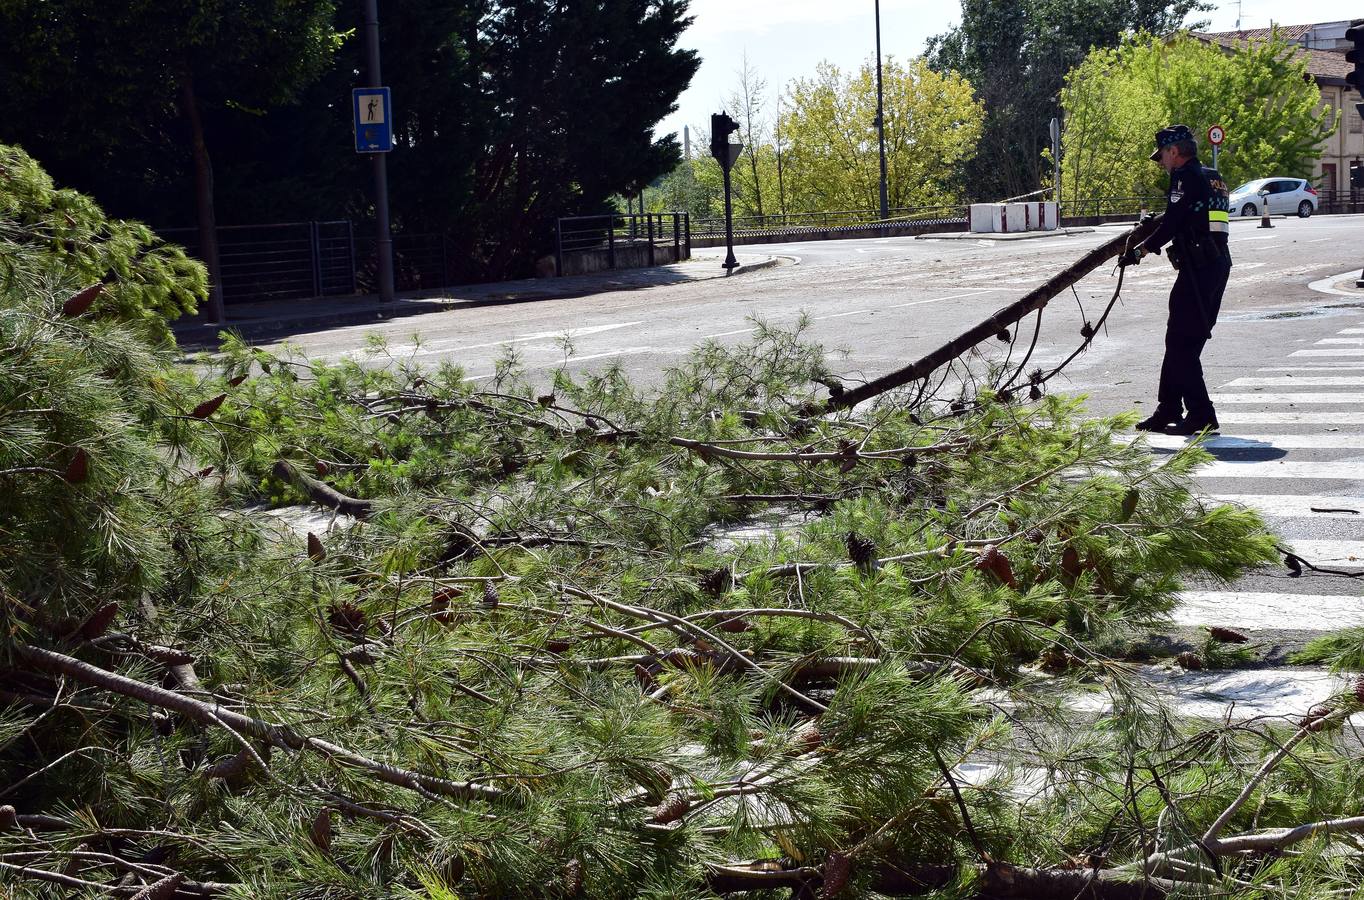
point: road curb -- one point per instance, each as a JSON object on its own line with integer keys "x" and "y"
{"x": 205, "y": 336}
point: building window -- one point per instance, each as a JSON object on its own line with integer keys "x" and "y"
{"x": 1352, "y": 119}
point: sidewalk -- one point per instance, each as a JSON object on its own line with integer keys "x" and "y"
{"x": 275, "y": 319}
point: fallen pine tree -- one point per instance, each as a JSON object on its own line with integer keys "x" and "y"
{"x": 528, "y": 657}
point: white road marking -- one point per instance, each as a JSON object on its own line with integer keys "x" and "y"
{"x": 1256, "y": 609}
{"x": 623, "y": 351}
{"x": 1349, "y": 554}
{"x": 1355, "y": 342}
{"x": 958, "y": 296}
{"x": 428, "y": 348}
{"x": 1312, "y": 417}
{"x": 1318, "y": 240}
{"x": 1237, "y": 694}
{"x": 1300, "y": 380}
{"x": 1323, "y": 366}
{"x": 1342, "y": 351}
{"x": 1314, "y": 397}
{"x": 1352, "y": 331}
{"x": 1339, "y": 440}
{"x": 1349, "y": 470}
{"x": 1297, "y": 506}
{"x": 851, "y": 312}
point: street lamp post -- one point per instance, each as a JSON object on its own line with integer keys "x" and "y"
{"x": 880, "y": 118}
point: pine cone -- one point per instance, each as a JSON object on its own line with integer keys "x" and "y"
{"x": 97, "y": 623}
{"x": 997, "y": 564}
{"x": 1189, "y": 661}
{"x": 441, "y": 599}
{"x": 717, "y": 581}
{"x": 1129, "y": 503}
{"x": 1315, "y": 720}
{"x": 348, "y": 618}
{"x": 674, "y": 806}
{"x": 208, "y": 407}
{"x": 734, "y": 626}
{"x": 1035, "y": 392}
{"x": 491, "y": 595}
{"x": 1359, "y": 690}
{"x": 82, "y": 300}
{"x": 837, "y": 871}
{"x": 9, "y": 819}
{"x": 320, "y": 833}
{"x": 78, "y": 469}
{"x": 862, "y": 551}
{"x": 572, "y": 878}
{"x": 1227, "y": 635}
{"x": 1070, "y": 563}
{"x": 316, "y": 552}
{"x": 238, "y": 380}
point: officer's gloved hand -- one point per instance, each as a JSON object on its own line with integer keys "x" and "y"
{"x": 1148, "y": 217}
{"x": 1131, "y": 257}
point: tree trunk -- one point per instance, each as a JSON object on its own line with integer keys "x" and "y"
{"x": 203, "y": 196}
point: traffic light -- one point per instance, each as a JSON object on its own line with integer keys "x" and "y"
{"x": 1355, "y": 78}
{"x": 721, "y": 127}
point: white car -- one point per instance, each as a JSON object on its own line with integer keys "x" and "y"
{"x": 1286, "y": 196}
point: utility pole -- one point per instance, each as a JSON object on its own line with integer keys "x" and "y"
{"x": 881, "y": 118}
{"x": 384, "y": 243}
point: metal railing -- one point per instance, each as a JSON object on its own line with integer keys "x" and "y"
{"x": 797, "y": 222}
{"x": 1347, "y": 201}
{"x": 615, "y": 234}
{"x": 279, "y": 261}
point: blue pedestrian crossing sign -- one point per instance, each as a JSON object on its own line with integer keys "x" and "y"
{"x": 373, "y": 120}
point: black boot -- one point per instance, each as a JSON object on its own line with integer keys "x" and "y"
{"x": 1159, "y": 420}
{"x": 1195, "y": 423}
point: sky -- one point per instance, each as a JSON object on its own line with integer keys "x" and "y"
{"x": 785, "y": 39}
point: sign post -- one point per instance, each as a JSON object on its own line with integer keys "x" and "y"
{"x": 1216, "y": 134}
{"x": 374, "y": 135}
{"x": 725, "y": 153}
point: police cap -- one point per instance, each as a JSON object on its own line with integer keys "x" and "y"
{"x": 1171, "y": 135}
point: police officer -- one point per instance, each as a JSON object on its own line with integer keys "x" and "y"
{"x": 1195, "y": 226}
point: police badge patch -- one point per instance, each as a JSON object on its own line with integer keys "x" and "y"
{"x": 1176, "y": 192}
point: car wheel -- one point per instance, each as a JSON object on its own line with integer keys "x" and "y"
{"x": 1304, "y": 209}
{"x": 1248, "y": 210}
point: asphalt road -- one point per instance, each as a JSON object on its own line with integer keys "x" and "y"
{"x": 1286, "y": 369}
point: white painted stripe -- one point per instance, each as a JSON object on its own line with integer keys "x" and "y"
{"x": 1323, "y": 366}
{"x": 1314, "y": 397}
{"x": 1355, "y": 342}
{"x": 1239, "y": 694}
{"x": 1337, "y": 440}
{"x": 1297, "y": 506}
{"x": 1352, "y": 470}
{"x": 1310, "y": 417}
{"x": 1342, "y": 351}
{"x": 1349, "y": 554}
{"x": 1299, "y": 381}
{"x": 1352, "y": 331}
{"x": 1252, "y": 609}
{"x": 427, "y": 347}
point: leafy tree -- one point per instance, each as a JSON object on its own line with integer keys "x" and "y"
{"x": 102, "y": 90}
{"x": 1016, "y": 54}
{"x": 1117, "y": 98}
{"x": 831, "y": 160}
{"x": 748, "y": 102}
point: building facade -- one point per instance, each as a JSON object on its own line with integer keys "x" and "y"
{"x": 1322, "y": 46}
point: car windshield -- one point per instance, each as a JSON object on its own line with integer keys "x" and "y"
{"x": 1249, "y": 186}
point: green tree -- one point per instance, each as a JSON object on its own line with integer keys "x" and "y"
{"x": 107, "y": 88}
{"x": 1016, "y": 54}
{"x": 1117, "y": 98}
{"x": 830, "y": 158}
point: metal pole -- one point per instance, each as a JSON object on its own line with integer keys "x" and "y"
{"x": 384, "y": 245}
{"x": 730, "y": 262}
{"x": 880, "y": 118}
{"x": 559, "y": 247}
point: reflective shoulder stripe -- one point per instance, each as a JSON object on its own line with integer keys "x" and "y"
{"x": 1219, "y": 226}
{"x": 1218, "y": 215}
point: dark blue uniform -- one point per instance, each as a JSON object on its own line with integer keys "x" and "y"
{"x": 1195, "y": 226}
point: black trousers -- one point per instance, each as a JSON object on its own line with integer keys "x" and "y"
{"x": 1194, "y": 303}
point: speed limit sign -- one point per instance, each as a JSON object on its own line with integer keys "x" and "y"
{"x": 1215, "y": 135}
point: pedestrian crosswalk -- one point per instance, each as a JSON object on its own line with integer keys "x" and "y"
{"x": 1292, "y": 448}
